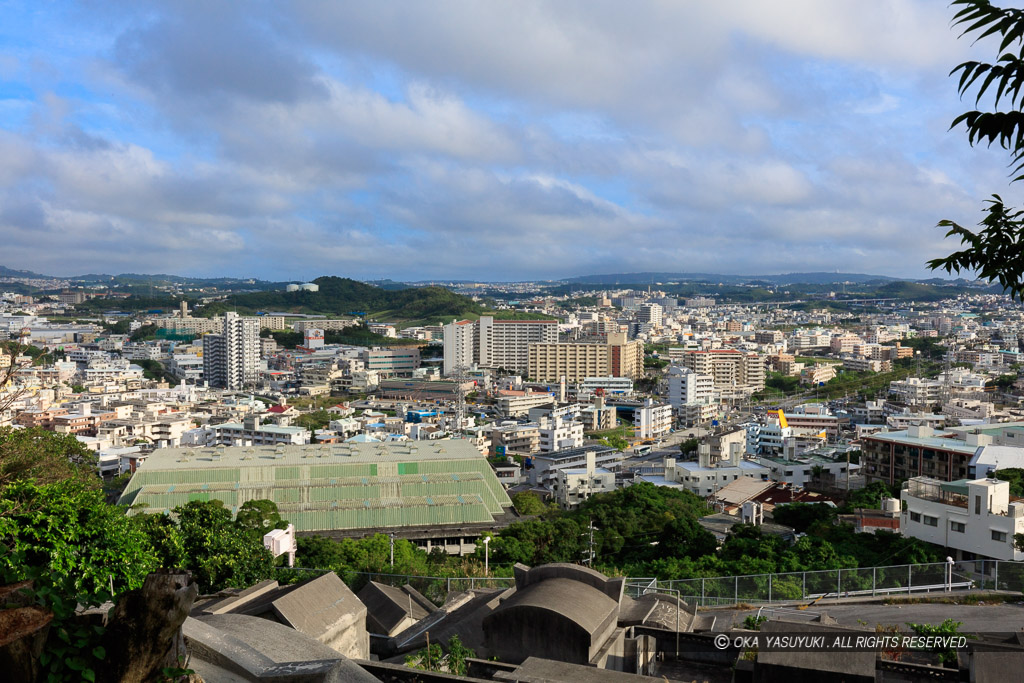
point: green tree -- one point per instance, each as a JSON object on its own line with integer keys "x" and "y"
{"x": 689, "y": 446}
{"x": 946, "y": 628}
{"x": 77, "y": 550}
{"x": 45, "y": 457}
{"x": 259, "y": 516}
{"x": 219, "y": 553}
{"x": 527, "y": 503}
{"x": 996, "y": 250}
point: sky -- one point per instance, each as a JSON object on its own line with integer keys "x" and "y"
{"x": 493, "y": 140}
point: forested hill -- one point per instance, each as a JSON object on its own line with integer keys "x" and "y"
{"x": 345, "y": 297}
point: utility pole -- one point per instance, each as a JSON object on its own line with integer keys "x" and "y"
{"x": 589, "y": 559}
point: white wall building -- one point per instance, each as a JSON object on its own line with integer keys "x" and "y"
{"x": 652, "y": 420}
{"x": 974, "y": 518}
{"x": 559, "y": 434}
{"x": 232, "y": 360}
{"x": 495, "y": 343}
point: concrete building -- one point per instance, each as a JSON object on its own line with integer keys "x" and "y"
{"x": 691, "y": 395}
{"x": 975, "y": 518}
{"x": 250, "y": 432}
{"x": 395, "y": 361}
{"x": 705, "y": 476}
{"x": 558, "y": 434}
{"x": 610, "y": 355}
{"x": 495, "y": 343}
{"x": 575, "y": 484}
{"x": 917, "y": 451}
{"x": 652, "y": 420}
{"x": 610, "y": 386}
{"x": 736, "y": 373}
{"x": 650, "y": 314}
{"x": 231, "y": 360}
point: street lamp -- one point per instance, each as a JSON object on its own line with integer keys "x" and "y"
{"x": 487, "y": 554}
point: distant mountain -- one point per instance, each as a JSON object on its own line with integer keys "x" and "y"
{"x": 345, "y": 297}
{"x": 10, "y": 272}
{"x": 819, "y": 278}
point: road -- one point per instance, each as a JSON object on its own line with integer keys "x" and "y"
{"x": 992, "y": 618}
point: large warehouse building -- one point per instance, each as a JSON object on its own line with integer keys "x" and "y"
{"x": 437, "y": 493}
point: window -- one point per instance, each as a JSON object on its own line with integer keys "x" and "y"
{"x": 959, "y": 527}
{"x": 930, "y": 521}
{"x": 999, "y": 536}
{"x": 977, "y": 505}
{"x": 915, "y": 516}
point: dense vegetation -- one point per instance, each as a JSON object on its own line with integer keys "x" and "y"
{"x": 357, "y": 335}
{"x": 346, "y": 297}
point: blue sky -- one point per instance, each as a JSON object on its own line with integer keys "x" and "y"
{"x": 490, "y": 140}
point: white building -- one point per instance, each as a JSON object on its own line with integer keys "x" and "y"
{"x": 559, "y": 434}
{"x": 252, "y": 433}
{"x": 618, "y": 386}
{"x": 650, "y": 314}
{"x": 575, "y": 485}
{"x": 705, "y": 477}
{"x": 231, "y": 360}
{"x": 976, "y": 519}
{"x": 652, "y": 420}
{"x": 495, "y": 343}
{"x": 692, "y": 395}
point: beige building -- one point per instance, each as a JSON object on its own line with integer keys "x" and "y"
{"x": 736, "y": 373}
{"x": 578, "y": 360}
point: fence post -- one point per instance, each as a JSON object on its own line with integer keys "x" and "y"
{"x": 997, "y": 575}
{"x": 736, "y": 598}
{"x": 839, "y": 583}
{"x": 874, "y": 580}
{"x": 910, "y": 578}
{"x": 804, "y": 590}
{"x": 702, "y": 592}
{"x": 449, "y": 581}
{"x": 769, "y": 588}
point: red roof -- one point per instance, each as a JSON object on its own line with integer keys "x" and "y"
{"x": 278, "y": 409}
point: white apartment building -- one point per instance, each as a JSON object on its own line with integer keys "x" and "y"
{"x": 866, "y": 364}
{"x": 251, "y": 433}
{"x": 618, "y": 386}
{"x": 735, "y": 373}
{"x": 704, "y": 477}
{"x": 976, "y": 519}
{"x": 186, "y": 366}
{"x": 691, "y": 395}
{"x": 650, "y": 314}
{"x": 495, "y": 343}
{"x": 652, "y": 420}
{"x": 560, "y": 434}
{"x": 231, "y": 360}
{"x": 575, "y": 485}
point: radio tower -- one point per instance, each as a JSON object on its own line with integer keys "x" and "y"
{"x": 947, "y": 380}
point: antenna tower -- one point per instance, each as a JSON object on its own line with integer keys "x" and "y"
{"x": 947, "y": 380}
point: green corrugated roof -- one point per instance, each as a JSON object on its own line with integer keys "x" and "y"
{"x": 321, "y": 488}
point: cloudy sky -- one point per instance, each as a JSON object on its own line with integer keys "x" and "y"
{"x": 497, "y": 140}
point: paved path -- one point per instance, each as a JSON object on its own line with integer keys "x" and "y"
{"x": 998, "y": 617}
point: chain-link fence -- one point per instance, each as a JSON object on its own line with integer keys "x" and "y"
{"x": 903, "y": 579}
{"x": 830, "y": 583}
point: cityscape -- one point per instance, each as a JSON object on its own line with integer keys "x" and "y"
{"x": 431, "y": 343}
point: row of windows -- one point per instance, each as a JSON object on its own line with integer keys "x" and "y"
{"x": 958, "y": 527}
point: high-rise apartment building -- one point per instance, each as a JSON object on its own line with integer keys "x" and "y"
{"x": 231, "y": 360}
{"x": 651, "y": 314}
{"x": 495, "y": 343}
{"x": 612, "y": 355}
{"x": 736, "y": 373}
